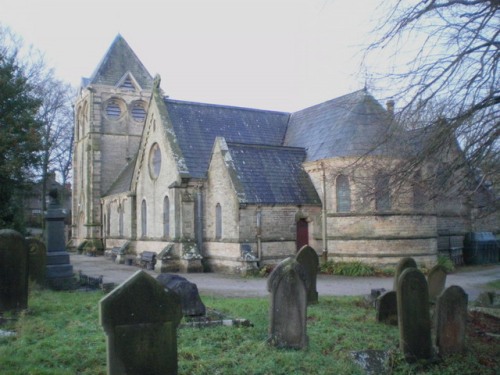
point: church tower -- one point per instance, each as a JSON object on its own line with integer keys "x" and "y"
{"x": 110, "y": 112}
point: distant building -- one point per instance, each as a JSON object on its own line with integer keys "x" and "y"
{"x": 246, "y": 187}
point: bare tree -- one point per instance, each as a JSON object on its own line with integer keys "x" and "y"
{"x": 450, "y": 89}
{"x": 56, "y": 115}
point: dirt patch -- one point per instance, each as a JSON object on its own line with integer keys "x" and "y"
{"x": 483, "y": 334}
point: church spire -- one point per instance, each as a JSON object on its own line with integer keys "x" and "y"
{"x": 119, "y": 60}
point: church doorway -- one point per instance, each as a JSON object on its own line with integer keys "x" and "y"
{"x": 302, "y": 233}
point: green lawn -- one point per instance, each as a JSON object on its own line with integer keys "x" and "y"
{"x": 60, "y": 334}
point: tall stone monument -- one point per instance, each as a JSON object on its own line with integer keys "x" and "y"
{"x": 59, "y": 272}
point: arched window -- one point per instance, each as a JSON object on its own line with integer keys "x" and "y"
{"x": 107, "y": 221}
{"x": 343, "y": 191}
{"x": 144, "y": 219}
{"x": 382, "y": 192}
{"x": 419, "y": 195}
{"x": 218, "y": 222}
{"x": 166, "y": 217}
{"x": 120, "y": 220}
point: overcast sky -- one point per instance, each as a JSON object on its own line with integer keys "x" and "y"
{"x": 271, "y": 54}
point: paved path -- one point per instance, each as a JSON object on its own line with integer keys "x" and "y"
{"x": 471, "y": 278}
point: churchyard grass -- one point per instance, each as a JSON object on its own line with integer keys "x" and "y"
{"x": 494, "y": 284}
{"x": 60, "y": 334}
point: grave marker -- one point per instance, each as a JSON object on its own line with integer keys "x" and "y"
{"x": 288, "y": 305}
{"x": 308, "y": 258}
{"x": 59, "y": 271}
{"x": 140, "y": 319}
{"x": 37, "y": 260}
{"x": 387, "y": 308}
{"x": 451, "y": 320}
{"x": 413, "y": 315}
{"x": 403, "y": 264}
{"x": 436, "y": 281}
{"x": 13, "y": 271}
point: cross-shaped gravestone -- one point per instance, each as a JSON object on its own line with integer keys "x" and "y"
{"x": 13, "y": 271}
{"x": 308, "y": 258}
{"x": 288, "y": 309}
{"x": 140, "y": 319}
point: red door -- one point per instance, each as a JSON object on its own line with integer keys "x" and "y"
{"x": 302, "y": 233}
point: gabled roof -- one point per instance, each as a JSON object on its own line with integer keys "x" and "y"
{"x": 196, "y": 126}
{"x": 270, "y": 175}
{"x": 118, "y": 61}
{"x": 351, "y": 125}
{"x": 123, "y": 182}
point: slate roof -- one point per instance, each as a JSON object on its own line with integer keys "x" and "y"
{"x": 123, "y": 183}
{"x": 270, "y": 175}
{"x": 351, "y": 125}
{"x": 119, "y": 60}
{"x": 196, "y": 126}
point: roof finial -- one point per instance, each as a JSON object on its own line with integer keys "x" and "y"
{"x": 156, "y": 81}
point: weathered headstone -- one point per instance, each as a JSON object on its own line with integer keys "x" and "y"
{"x": 13, "y": 271}
{"x": 288, "y": 305}
{"x": 403, "y": 264}
{"x": 436, "y": 281}
{"x": 37, "y": 260}
{"x": 59, "y": 271}
{"x": 451, "y": 321}
{"x": 188, "y": 292}
{"x": 140, "y": 319}
{"x": 387, "y": 308}
{"x": 413, "y": 316}
{"x": 308, "y": 258}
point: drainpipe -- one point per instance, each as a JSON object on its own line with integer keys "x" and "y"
{"x": 199, "y": 219}
{"x": 258, "y": 235}
{"x": 323, "y": 217}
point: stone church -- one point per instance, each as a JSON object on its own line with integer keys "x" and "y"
{"x": 239, "y": 188}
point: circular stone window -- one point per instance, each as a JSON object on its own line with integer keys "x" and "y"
{"x": 113, "y": 109}
{"x": 154, "y": 161}
{"x": 138, "y": 111}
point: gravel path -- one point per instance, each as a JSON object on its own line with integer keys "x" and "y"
{"x": 471, "y": 278}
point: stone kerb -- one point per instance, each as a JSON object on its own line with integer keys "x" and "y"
{"x": 413, "y": 316}
{"x": 403, "y": 264}
{"x": 140, "y": 319}
{"x": 37, "y": 260}
{"x": 437, "y": 281}
{"x": 309, "y": 260}
{"x": 288, "y": 305}
{"x": 13, "y": 271}
{"x": 451, "y": 321}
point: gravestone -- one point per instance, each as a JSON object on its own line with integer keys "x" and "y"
{"x": 309, "y": 260}
{"x": 413, "y": 316}
{"x": 451, "y": 321}
{"x": 288, "y": 305}
{"x": 403, "y": 264}
{"x": 59, "y": 271}
{"x": 37, "y": 260}
{"x": 436, "y": 281}
{"x": 140, "y": 319}
{"x": 387, "y": 308}
{"x": 13, "y": 271}
{"x": 188, "y": 292}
